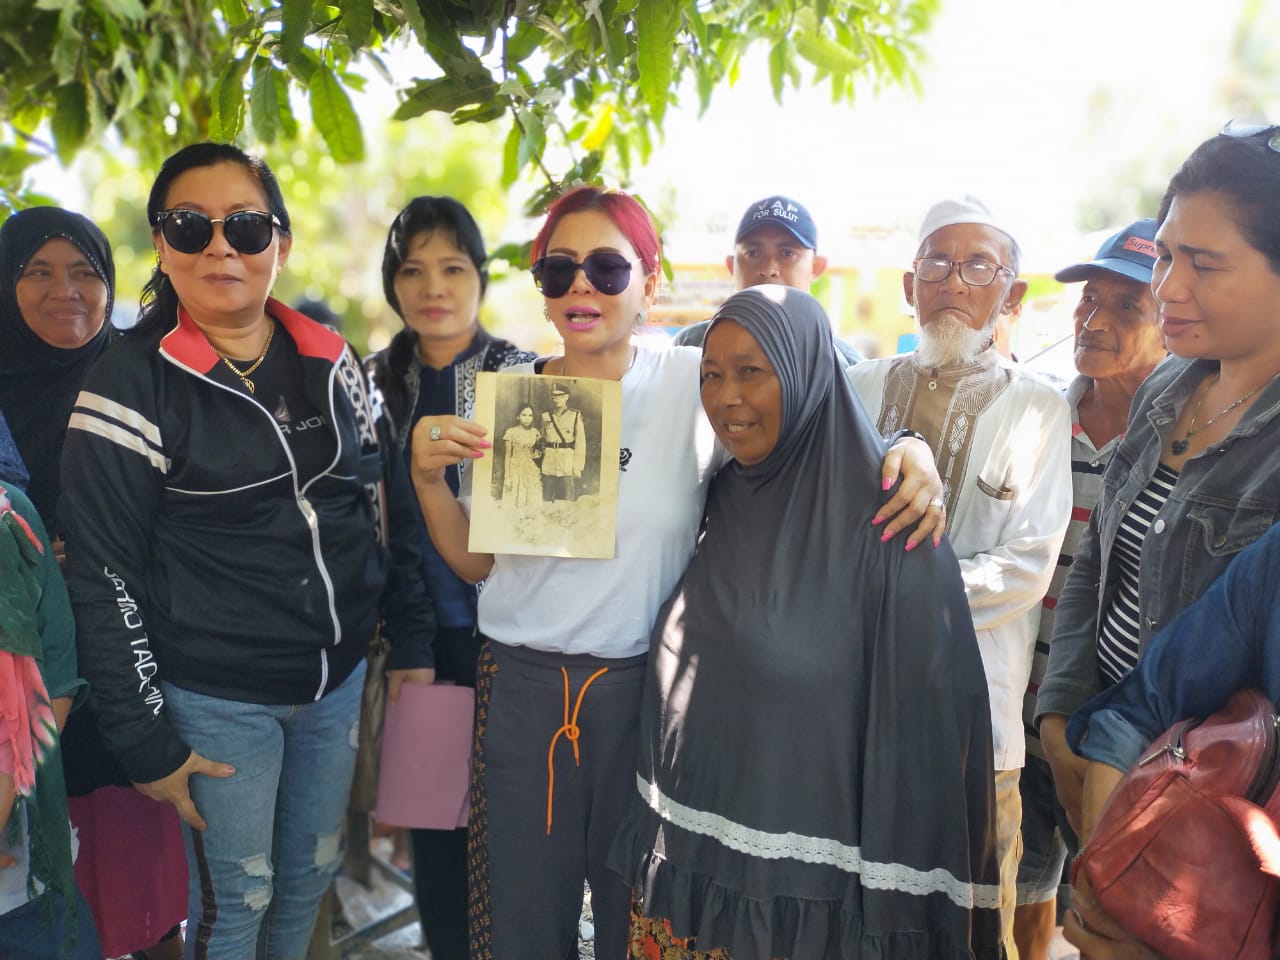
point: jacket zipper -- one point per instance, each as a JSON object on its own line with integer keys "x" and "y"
{"x": 304, "y": 505}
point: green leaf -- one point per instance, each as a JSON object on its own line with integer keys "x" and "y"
{"x": 233, "y": 11}
{"x": 264, "y": 102}
{"x": 334, "y": 117}
{"x": 130, "y": 10}
{"x": 656, "y": 24}
{"x": 288, "y": 122}
{"x": 825, "y": 54}
{"x": 295, "y": 22}
{"x": 70, "y": 121}
{"x": 68, "y": 49}
{"x": 447, "y": 93}
{"x": 778, "y": 57}
{"x": 523, "y": 42}
{"x": 13, "y": 161}
{"x": 413, "y": 13}
{"x": 516, "y": 254}
{"x": 481, "y": 112}
{"x": 532, "y": 140}
{"x": 441, "y": 38}
{"x": 357, "y": 16}
{"x": 227, "y": 119}
{"x": 510, "y": 157}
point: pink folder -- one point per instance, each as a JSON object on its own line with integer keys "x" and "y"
{"x": 425, "y": 768}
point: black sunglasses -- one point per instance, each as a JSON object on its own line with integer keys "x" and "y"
{"x": 248, "y": 231}
{"x": 1252, "y": 130}
{"x": 609, "y": 273}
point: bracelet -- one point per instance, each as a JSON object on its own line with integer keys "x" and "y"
{"x": 903, "y": 434}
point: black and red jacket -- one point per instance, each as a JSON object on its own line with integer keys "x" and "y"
{"x": 196, "y": 557}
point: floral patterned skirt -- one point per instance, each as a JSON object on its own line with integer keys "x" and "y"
{"x": 651, "y": 939}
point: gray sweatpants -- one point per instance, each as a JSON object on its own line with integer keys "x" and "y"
{"x": 535, "y": 875}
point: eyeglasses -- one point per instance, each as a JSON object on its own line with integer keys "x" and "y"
{"x": 248, "y": 231}
{"x": 1253, "y": 130}
{"x": 610, "y": 273}
{"x": 976, "y": 273}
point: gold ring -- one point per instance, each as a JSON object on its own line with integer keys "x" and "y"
{"x": 434, "y": 433}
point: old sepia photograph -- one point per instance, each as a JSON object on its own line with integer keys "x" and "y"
{"x": 550, "y": 485}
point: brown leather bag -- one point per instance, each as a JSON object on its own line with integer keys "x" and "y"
{"x": 1186, "y": 854}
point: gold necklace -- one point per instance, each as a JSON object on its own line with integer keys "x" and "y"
{"x": 244, "y": 374}
{"x": 1179, "y": 447}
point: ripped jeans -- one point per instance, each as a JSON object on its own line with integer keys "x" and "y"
{"x": 274, "y": 836}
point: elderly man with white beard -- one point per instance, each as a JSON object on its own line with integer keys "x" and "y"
{"x": 1001, "y": 440}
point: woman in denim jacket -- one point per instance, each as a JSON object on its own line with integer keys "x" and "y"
{"x": 1196, "y": 479}
{"x": 1173, "y": 680}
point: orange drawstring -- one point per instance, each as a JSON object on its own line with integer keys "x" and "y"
{"x": 570, "y": 729}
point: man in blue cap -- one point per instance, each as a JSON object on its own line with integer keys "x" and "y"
{"x": 1117, "y": 344}
{"x": 776, "y": 242}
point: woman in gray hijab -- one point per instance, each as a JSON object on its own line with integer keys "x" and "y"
{"x": 814, "y": 776}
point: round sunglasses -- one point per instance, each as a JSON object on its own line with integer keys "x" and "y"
{"x": 187, "y": 231}
{"x": 609, "y": 273}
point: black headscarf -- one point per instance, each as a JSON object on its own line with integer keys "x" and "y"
{"x": 815, "y": 765}
{"x": 39, "y": 382}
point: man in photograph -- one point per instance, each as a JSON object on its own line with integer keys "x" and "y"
{"x": 564, "y": 447}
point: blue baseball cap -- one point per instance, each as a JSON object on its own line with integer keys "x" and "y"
{"x": 1131, "y": 253}
{"x": 784, "y": 212}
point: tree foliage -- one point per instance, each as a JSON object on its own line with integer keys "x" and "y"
{"x": 586, "y": 83}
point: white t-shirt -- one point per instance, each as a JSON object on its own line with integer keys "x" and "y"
{"x": 607, "y": 607}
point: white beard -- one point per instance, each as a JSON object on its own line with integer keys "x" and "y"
{"x": 950, "y": 342}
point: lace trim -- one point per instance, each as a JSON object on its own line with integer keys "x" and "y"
{"x": 795, "y": 846}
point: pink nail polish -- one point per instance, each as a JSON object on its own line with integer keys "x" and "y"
{"x": 912, "y": 546}
{"x": 486, "y": 444}
{"x": 477, "y": 454}
{"x": 876, "y": 521}
{"x": 885, "y": 537}
{"x": 886, "y": 483}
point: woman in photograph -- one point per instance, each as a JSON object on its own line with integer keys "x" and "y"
{"x": 434, "y": 275}
{"x": 521, "y": 473}
{"x": 565, "y": 639}
{"x": 228, "y": 569}
{"x": 769, "y": 820}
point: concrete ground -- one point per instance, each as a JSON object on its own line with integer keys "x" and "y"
{"x": 384, "y": 897}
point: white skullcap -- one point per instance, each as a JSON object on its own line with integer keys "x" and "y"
{"x": 966, "y": 209}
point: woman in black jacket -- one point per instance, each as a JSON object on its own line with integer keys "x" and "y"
{"x": 225, "y": 497}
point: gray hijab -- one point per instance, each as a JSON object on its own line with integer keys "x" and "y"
{"x": 810, "y": 684}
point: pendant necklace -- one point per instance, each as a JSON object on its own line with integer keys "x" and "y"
{"x": 244, "y": 374}
{"x": 1179, "y": 447}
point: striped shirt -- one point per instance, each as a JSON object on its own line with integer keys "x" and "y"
{"x": 1118, "y": 639}
{"x": 1087, "y": 466}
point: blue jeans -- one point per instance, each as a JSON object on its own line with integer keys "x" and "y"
{"x": 274, "y": 835}
{"x": 40, "y": 930}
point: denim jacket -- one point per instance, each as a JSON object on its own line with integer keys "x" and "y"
{"x": 1240, "y": 615}
{"x": 1225, "y": 498}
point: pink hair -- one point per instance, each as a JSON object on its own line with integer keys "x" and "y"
{"x": 624, "y": 210}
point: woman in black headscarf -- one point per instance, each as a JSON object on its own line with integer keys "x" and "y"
{"x": 57, "y": 282}
{"x": 47, "y": 348}
{"x": 815, "y": 768}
